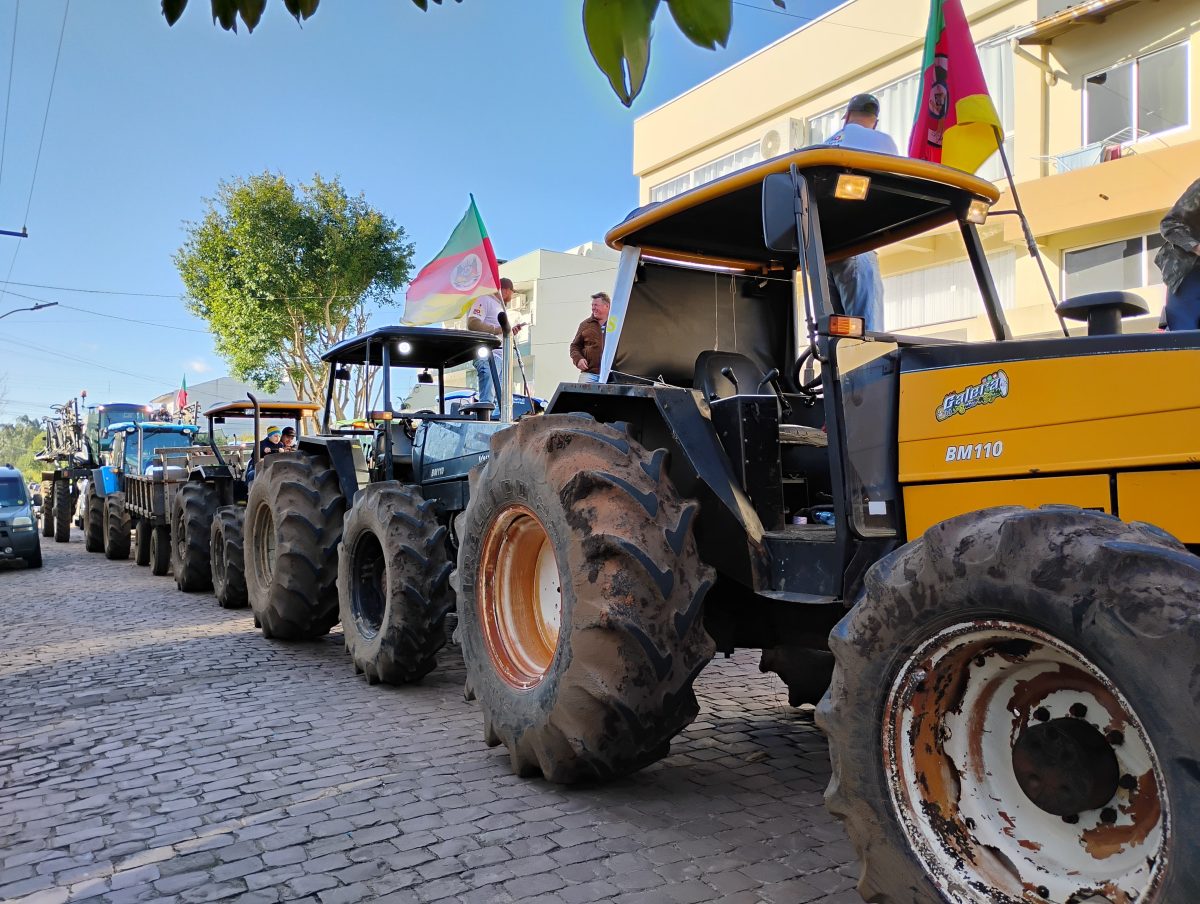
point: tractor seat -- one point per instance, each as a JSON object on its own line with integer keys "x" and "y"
{"x": 800, "y": 435}
{"x": 715, "y": 385}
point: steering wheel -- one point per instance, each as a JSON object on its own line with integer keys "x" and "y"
{"x": 813, "y": 388}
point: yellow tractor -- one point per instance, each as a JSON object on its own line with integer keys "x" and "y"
{"x": 979, "y": 558}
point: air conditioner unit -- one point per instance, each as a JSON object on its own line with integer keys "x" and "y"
{"x": 770, "y": 145}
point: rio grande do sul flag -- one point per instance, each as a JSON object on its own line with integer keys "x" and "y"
{"x": 462, "y": 271}
{"x": 956, "y": 121}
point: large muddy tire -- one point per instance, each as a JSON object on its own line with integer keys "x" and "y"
{"x": 117, "y": 527}
{"x": 48, "y": 510}
{"x": 227, "y": 549}
{"x": 160, "y": 550}
{"x": 141, "y": 542}
{"x": 1015, "y": 714}
{"x": 64, "y": 507}
{"x": 393, "y": 583}
{"x": 571, "y": 523}
{"x": 192, "y": 513}
{"x": 293, "y": 526}
{"x": 93, "y": 521}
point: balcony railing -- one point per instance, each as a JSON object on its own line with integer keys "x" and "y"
{"x": 1117, "y": 145}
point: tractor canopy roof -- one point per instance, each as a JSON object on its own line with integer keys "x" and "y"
{"x": 267, "y": 409}
{"x": 721, "y": 222}
{"x": 150, "y": 427}
{"x": 412, "y": 346}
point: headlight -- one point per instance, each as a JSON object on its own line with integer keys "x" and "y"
{"x": 21, "y": 522}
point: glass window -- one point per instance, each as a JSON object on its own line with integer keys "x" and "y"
{"x": 1127, "y": 264}
{"x": 1143, "y": 97}
{"x": 1162, "y": 90}
{"x": 1109, "y": 113}
{"x": 715, "y": 169}
{"x": 12, "y": 491}
{"x": 944, "y": 292}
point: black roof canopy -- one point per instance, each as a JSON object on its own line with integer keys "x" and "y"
{"x": 720, "y": 222}
{"x": 427, "y": 347}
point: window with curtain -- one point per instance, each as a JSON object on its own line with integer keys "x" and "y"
{"x": 714, "y": 169}
{"x": 1144, "y": 96}
{"x": 944, "y": 292}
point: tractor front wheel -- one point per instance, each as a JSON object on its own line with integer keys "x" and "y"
{"x": 93, "y": 520}
{"x": 227, "y": 549}
{"x": 293, "y": 525}
{"x": 117, "y": 528}
{"x": 192, "y": 513}
{"x": 64, "y": 505}
{"x": 48, "y": 509}
{"x": 580, "y": 592}
{"x": 1007, "y": 718}
{"x": 394, "y": 584}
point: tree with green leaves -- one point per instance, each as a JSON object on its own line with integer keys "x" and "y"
{"x": 20, "y": 441}
{"x": 281, "y": 272}
{"x": 618, "y": 31}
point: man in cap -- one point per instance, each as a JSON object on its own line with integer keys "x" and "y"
{"x": 288, "y": 440}
{"x": 485, "y": 318}
{"x": 856, "y": 280}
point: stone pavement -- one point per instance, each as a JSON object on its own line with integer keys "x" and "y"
{"x": 156, "y": 747}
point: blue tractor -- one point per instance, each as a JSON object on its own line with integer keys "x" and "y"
{"x": 135, "y": 489}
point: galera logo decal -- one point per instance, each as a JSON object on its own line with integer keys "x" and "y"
{"x": 993, "y": 386}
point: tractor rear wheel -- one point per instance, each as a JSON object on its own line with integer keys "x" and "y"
{"x": 293, "y": 526}
{"x": 192, "y": 513}
{"x": 141, "y": 542}
{"x": 580, "y": 592}
{"x": 227, "y": 549}
{"x": 1008, "y": 718}
{"x": 48, "y": 510}
{"x": 93, "y": 521}
{"x": 393, "y": 583}
{"x": 160, "y": 550}
{"x": 116, "y": 527}
{"x": 64, "y": 505}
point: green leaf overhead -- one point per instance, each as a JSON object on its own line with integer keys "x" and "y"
{"x": 618, "y": 31}
{"x": 704, "y": 22}
{"x": 618, "y": 36}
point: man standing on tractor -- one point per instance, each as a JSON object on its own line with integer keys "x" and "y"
{"x": 587, "y": 348}
{"x": 485, "y": 318}
{"x": 1179, "y": 260}
{"x": 856, "y": 280}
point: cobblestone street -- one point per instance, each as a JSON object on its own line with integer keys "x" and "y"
{"x": 156, "y": 747}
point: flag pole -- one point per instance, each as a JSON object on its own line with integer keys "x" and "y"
{"x": 1030, "y": 242}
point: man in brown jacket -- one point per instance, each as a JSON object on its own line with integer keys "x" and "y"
{"x": 587, "y": 348}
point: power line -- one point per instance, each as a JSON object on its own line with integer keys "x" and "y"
{"x": 12, "y": 57}
{"x": 78, "y": 360}
{"x": 46, "y": 118}
{"x": 781, "y": 12}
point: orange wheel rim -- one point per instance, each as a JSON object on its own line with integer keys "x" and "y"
{"x": 520, "y": 597}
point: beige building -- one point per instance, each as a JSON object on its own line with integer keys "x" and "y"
{"x": 1101, "y": 108}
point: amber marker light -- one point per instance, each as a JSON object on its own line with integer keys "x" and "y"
{"x": 847, "y": 327}
{"x": 852, "y": 187}
{"x": 977, "y": 213}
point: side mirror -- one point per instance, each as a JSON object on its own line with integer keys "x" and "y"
{"x": 779, "y": 213}
{"x": 425, "y": 377}
{"x": 218, "y": 420}
{"x": 341, "y": 373}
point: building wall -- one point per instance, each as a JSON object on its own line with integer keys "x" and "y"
{"x": 866, "y": 45}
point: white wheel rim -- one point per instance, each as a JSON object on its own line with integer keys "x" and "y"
{"x": 961, "y": 719}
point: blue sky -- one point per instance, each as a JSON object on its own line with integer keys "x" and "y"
{"x": 495, "y": 97}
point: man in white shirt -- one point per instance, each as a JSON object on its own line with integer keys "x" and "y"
{"x": 484, "y": 317}
{"x": 856, "y": 280}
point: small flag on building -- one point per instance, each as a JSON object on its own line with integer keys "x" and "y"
{"x": 181, "y": 396}
{"x": 956, "y": 122}
{"x": 464, "y": 270}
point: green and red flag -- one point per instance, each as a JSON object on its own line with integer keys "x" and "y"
{"x": 464, "y": 270}
{"x": 956, "y": 122}
{"x": 181, "y": 396}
